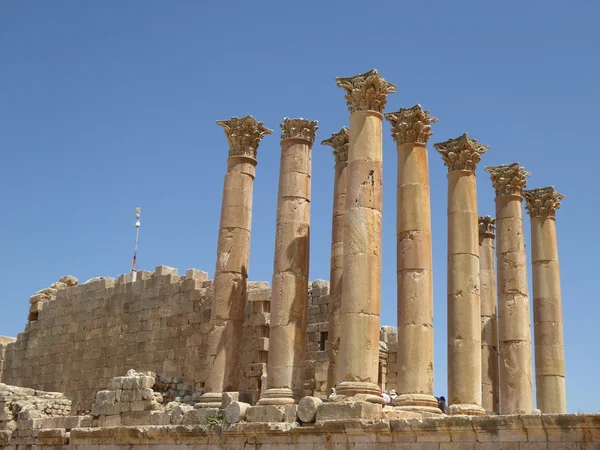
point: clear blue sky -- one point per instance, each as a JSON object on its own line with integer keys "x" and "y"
{"x": 105, "y": 106}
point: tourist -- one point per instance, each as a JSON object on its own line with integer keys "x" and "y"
{"x": 442, "y": 404}
{"x": 393, "y": 395}
{"x": 332, "y": 394}
{"x": 386, "y": 397}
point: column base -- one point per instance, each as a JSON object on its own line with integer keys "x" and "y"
{"x": 210, "y": 400}
{"x": 368, "y": 392}
{"x": 423, "y": 403}
{"x": 280, "y": 396}
{"x": 466, "y": 409}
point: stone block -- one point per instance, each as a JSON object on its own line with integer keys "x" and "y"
{"x": 193, "y": 274}
{"x": 69, "y": 280}
{"x": 266, "y": 413}
{"x": 199, "y": 416}
{"x": 236, "y": 412}
{"x": 307, "y": 409}
{"x": 165, "y": 270}
{"x": 139, "y": 405}
{"x": 109, "y": 421}
{"x": 73, "y": 422}
{"x": 229, "y": 397}
{"x": 177, "y": 412}
{"x": 349, "y": 410}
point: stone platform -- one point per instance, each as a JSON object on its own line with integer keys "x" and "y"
{"x": 567, "y": 431}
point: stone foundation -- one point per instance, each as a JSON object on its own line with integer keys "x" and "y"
{"x": 551, "y": 432}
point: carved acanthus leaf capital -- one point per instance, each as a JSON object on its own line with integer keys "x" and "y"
{"x": 542, "y": 202}
{"x": 411, "y": 125}
{"x": 244, "y": 135}
{"x": 487, "y": 226}
{"x": 461, "y": 153}
{"x": 299, "y": 129}
{"x": 340, "y": 142}
{"x": 366, "y": 92}
{"x": 508, "y": 179}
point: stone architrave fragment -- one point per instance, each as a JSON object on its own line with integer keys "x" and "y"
{"x": 411, "y": 129}
{"x": 339, "y": 141}
{"x": 489, "y": 325}
{"x": 461, "y": 156}
{"x": 358, "y": 358}
{"x": 549, "y": 344}
{"x": 289, "y": 298}
{"x": 514, "y": 329}
{"x": 233, "y": 251}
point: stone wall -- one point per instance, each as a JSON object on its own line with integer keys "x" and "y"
{"x": 80, "y": 336}
{"x": 4, "y": 341}
{"x": 317, "y": 361}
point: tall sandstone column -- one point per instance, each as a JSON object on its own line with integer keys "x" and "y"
{"x": 461, "y": 156}
{"x": 339, "y": 142}
{"x": 547, "y": 301}
{"x": 514, "y": 329}
{"x": 289, "y": 298}
{"x": 411, "y": 130}
{"x": 489, "y": 325}
{"x": 233, "y": 251}
{"x": 366, "y": 95}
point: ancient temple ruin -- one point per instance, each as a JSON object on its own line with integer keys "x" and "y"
{"x": 181, "y": 361}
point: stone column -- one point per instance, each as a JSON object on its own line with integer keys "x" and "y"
{"x": 489, "y": 326}
{"x": 461, "y": 156}
{"x": 547, "y": 302}
{"x": 289, "y": 298}
{"x": 366, "y": 95}
{"x": 224, "y": 356}
{"x": 339, "y": 142}
{"x": 411, "y": 130}
{"x": 514, "y": 329}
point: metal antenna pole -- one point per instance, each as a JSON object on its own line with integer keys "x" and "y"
{"x": 137, "y": 236}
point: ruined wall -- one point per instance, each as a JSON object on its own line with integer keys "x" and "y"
{"x": 79, "y": 337}
{"x": 4, "y": 341}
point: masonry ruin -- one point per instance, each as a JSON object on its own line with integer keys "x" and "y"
{"x": 174, "y": 361}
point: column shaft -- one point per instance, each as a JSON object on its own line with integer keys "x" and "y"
{"x": 464, "y": 321}
{"x": 361, "y": 285}
{"x": 231, "y": 274}
{"x": 336, "y": 271}
{"x": 514, "y": 330}
{"x": 223, "y": 368}
{"x": 289, "y": 298}
{"x": 489, "y": 326}
{"x": 547, "y": 314}
{"x": 415, "y": 280}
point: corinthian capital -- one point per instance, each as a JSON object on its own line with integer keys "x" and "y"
{"x": 508, "y": 179}
{"x": 340, "y": 143}
{"x": 366, "y": 92}
{"x": 244, "y": 135}
{"x": 299, "y": 129}
{"x": 411, "y": 125}
{"x": 462, "y": 153}
{"x": 487, "y": 226}
{"x": 542, "y": 202}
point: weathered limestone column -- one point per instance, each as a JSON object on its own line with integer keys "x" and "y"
{"x": 411, "y": 130}
{"x": 339, "y": 142}
{"x": 233, "y": 251}
{"x": 366, "y": 96}
{"x": 489, "y": 325}
{"x": 461, "y": 156}
{"x": 514, "y": 329}
{"x": 547, "y": 301}
{"x": 289, "y": 298}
